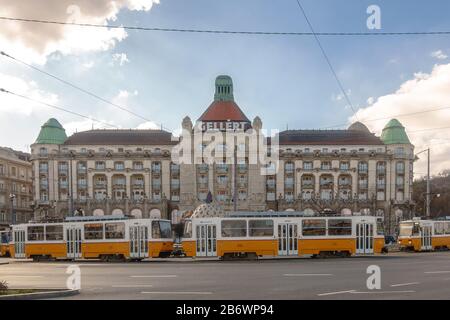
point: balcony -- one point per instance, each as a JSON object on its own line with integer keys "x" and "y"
{"x": 203, "y": 168}
{"x": 221, "y": 168}
{"x": 242, "y": 168}
{"x": 100, "y": 185}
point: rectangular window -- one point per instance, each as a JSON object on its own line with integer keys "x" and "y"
{"x": 54, "y": 233}
{"x": 161, "y": 230}
{"x": 93, "y": 231}
{"x": 314, "y": 227}
{"x": 339, "y": 227}
{"x": 447, "y": 228}
{"x": 36, "y": 233}
{"x": 115, "y": 230}
{"x": 260, "y": 228}
{"x": 439, "y": 228}
{"x": 234, "y": 228}
{"x": 307, "y": 165}
{"x": 188, "y": 230}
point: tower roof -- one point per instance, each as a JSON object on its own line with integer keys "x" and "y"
{"x": 223, "y": 108}
{"x": 52, "y": 132}
{"x": 394, "y": 133}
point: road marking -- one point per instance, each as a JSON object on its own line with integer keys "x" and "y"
{"x": 436, "y": 272}
{"x": 307, "y": 274}
{"x": 157, "y": 276}
{"x": 376, "y": 291}
{"x": 132, "y": 286}
{"x": 175, "y": 292}
{"x": 404, "y": 284}
{"x": 332, "y": 293}
{"x": 16, "y": 276}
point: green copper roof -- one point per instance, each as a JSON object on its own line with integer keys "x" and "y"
{"x": 394, "y": 133}
{"x": 52, "y": 132}
{"x": 224, "y": 89}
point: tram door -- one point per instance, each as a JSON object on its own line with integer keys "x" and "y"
{"x": 364, "y": 238}
{"x": 19, "y": 243}
{"x": 73, "y": 242}
{"x": 138, "y": 242}
{"x": 287, "y": 239}
{"x": 206, "y": 240}
{"x": 425, "y": 235}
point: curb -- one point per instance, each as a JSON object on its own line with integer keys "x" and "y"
{"x": 56, "y": 293}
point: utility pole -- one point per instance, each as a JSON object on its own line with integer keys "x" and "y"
{"x": 13, "y": 214}
{"x": 235, "y": 179}
{"x": 428, "y": 186}
{"x": 428, "y": 194}
{"x": 70, "y": 188}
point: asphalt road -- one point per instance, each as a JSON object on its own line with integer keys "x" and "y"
{"x": 403, "y": 276}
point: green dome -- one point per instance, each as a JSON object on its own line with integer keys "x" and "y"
{"x": 394, "y": 133}
{"x": 52, "y": 132}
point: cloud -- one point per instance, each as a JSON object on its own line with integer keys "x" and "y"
{"x": 439, "y": 55}
{"x": 149, "y": 125}
{"x": 121, "y": 58}
{"x": 35, "y": 42}
{"x": 425, "y": 91}
{"x": 10, "y": 104}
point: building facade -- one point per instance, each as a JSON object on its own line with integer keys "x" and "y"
{"x": 97, "y": 172}
{"x": 16, "y": 193}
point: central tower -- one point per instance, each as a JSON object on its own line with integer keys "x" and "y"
{"x": 223, "y": 113}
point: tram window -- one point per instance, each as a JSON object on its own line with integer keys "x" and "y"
{"x": 339, "y": 227}
{"x": 416, "y": 229}
{"x": 156, "y": 232}
{"x": 439, "y": 228}
{"x": 161, "y": 229}
{"x": 406, "y": 229}
{"x": 36, "y": 233}
{"x": 447, "y": 228}
{"x": 188, "y": 230}
{"x": 314, "y": 227}
{"x": 93, "y": 231}
{"x": 166, "y": 229}
{"x": 5, "y": 237}
{"x": 260, "y": 228}
{"x": 380, "y": 227}
{"x": 234, "y": 228}
{"x": 53, "y": 233}
{"x": 115, "y": 230}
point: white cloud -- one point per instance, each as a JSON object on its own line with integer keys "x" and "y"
{"x": 423, "y": 92}
{"x": 11, "y": 104}
{"x": 439, "y": 54}
{"x": 149, "y": 125}
{"x": 34, "y": 42}
{"x": 121, "y": 58}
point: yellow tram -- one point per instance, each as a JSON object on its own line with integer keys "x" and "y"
{"x": 424, "y": 235}
{"x": 107, "y": 238}
{"x": 281, "y": 234}
{"x": 5, "y": 239}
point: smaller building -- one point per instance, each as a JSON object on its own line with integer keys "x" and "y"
{"x": 15, "y": 186}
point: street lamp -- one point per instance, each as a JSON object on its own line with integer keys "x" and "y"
{"x": 12, "y": 196}
{"x": 428, "y": 194}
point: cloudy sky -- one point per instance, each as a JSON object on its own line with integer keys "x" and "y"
{"x": 283, "y": 79}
